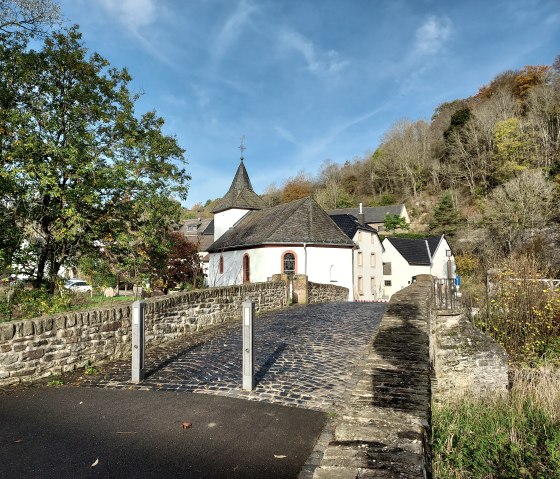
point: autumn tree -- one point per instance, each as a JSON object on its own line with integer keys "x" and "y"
{"x": 82, "y": 168}
{"x": 181, "y": 266}
{"x": 296, "y": 188}
{"x": 27, "y": 17}
{"x": 520, "y": 209}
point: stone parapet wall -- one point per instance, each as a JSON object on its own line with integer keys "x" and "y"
{"x": 465, "y": 361}
{"x": 383, "y": 429}
{"x": 326, "y": 293}
{"x": 36, "y": 348}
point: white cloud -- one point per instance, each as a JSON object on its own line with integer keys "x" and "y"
{"x": 233, "y": 27}
{"x": 432, "y": 35}
{"x": 285, "y": 134}
{"x": 317, "y": 62}
{"x": 134, "y": 14}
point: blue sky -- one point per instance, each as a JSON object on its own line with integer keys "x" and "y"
{"x": 305, "y": 81}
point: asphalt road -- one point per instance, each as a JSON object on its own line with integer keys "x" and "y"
{"x": 70, "y": 432}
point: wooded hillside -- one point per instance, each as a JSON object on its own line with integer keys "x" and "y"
{"x": 485, "y": 170}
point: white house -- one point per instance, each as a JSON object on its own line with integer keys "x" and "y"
{"x": 405, "y": 258}
{"x": 367, "y": 262}
{"x": 253, "y": 242}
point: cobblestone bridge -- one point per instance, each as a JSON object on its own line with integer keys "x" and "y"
{"x": 305, "y": 357}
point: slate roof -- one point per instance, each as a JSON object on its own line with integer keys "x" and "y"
{"x": 349, "y": 225}
{"x": 202, "y": 235}
{"x": 372, "y": 214}
{"x": 300, "y": 221}
{"x": 240, "y": 193}
{"x": 417, "y": 251}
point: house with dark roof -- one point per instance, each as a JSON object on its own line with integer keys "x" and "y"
{"x": 367, "y": 261}
{"x": 405, "y": 258}
{"x": 253, "y": 242}
{"x": 374, "y": 216}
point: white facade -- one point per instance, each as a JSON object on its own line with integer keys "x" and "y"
{"x": 368, "y": 266}
{"x": 398, "y": 273}
{"x": 224, "y": 220}
{"x": 321, "y": 264}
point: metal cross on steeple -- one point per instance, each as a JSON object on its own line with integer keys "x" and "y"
{"x": 241, "y": 147}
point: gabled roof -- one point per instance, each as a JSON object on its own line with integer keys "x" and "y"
{"x": 349, "y": 225}
{"x": 372, "y": 214}
{"x": 240, "y": 194}
{"x": 417, "y": 251}
{"x": 199, "y": 231}
{"x": 300, "y": 221}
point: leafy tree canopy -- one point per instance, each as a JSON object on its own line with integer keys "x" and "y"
{"x": 81, "y": 170}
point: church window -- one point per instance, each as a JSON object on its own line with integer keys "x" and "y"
{"x": 246, "y": 269}
{"x": 289, "y": 263}
{"x": 221, "y": 265}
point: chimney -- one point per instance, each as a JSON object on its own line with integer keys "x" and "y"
{"x": 361, "y": 216}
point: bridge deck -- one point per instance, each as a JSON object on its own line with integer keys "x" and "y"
{"x": 305, "y": 357}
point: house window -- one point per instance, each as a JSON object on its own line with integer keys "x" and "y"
{"x": 359, "y": 236}
{"x": 388, "y": 282}
{"x": 221, "y": 265}
{"x": 372, "y": 285}
{"x": 360, "y": 285}
{"x": 372, "y": 259}
{"x": 387, "y": 269}
{"x": 360, "y": 258}
{"x": 246, "y": 269}
{"x": 289, "y": 263}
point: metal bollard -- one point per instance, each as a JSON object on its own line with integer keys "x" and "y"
{"x": 138, "y": 312}
{"x": 248, "y": 342}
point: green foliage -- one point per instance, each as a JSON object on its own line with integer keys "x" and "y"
{"x": 446, "y": 218}
{"x": 26, "y": 303}
{"x": 395, "y": 222}
{"x": 55, "y": 383}
{"x": 82, "y": 170}
{"x": 502, "y": 439}
{"x": 458, "y": 120}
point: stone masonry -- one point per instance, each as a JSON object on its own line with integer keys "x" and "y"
{"x": 465, "y": 360}
{"x": 326, "y": 293}
{"x": 383, "y": 430}
{"x": 37, "y": 348}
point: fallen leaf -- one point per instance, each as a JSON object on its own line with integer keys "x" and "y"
{"x": 95, "y": 463}
{"x": 279, "y": 456}
{"x": 126, "y": 432}
{"x": 186, "y": 425}
{"x": 18, "y": 440}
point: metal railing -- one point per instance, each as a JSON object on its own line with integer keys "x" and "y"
{"x": 446, "y": 294}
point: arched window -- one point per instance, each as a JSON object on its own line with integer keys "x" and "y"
{"x": 246, "y": 269}
{"x": 289, "y": 263}
{"x": 221, "y": 265}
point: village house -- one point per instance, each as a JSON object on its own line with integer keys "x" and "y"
{"x": 367, "y": 262}
{"x": 406, "y": 258}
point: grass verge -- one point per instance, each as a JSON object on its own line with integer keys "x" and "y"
{"x": 515, "y": 436}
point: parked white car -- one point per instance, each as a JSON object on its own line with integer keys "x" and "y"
{"x": 78, "y": 286}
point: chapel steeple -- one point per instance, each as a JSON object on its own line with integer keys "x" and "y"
{"x": 241, "y": 194}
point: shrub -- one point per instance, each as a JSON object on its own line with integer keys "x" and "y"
{"x": 522, "y": 313}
